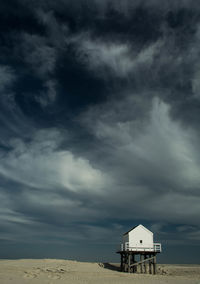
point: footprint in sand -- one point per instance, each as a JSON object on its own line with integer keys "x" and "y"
{"x": 54, "y": 276}
{"x": 61, "y": 270}
{"x": 30, "y": 275}
{"x": 38, "y": 270}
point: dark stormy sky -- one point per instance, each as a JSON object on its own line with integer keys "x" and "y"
{"x": 99, "y": 126}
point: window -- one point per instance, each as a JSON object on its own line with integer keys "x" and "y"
{"x": 141, "y": 241}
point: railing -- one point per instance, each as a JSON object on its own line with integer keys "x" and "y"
{"x": 155, "y": 248}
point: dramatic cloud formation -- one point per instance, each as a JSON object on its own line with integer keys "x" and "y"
{"x": 99, "y": 126}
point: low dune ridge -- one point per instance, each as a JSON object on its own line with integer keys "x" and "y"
{"x": 68, "y": 271}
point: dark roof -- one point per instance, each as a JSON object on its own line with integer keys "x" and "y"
{"x": 130, "y": 230}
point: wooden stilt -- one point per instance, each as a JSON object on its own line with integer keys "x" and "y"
{"x": 126, "y": 263}
{"x": 133, "y": 261}
{"x": 129, "y": 263}
{"x": 145, "y": 269}
{"x": 150, "y": 270}
{"x": 154, "y": 265}
{"x": 141, "y": 264}
{"x": 145, "y": 264}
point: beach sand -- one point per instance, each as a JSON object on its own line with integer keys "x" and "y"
{"x": 67, "y": 271}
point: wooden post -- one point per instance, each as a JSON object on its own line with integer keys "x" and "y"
{"x": 154, "y": 265}
{"x": 150, "y": 270}
{"x": 145, "y": 268}
{"x": 146, "y": 263}
{"x": 141, "y": 270}
{"x": 133, "y": 261}
{"x": 129, "y": 263}
{"x": 136, "y": 266}
{"x": 125, "y": 262}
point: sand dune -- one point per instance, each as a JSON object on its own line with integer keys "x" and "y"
{"x": 65, "y": 271}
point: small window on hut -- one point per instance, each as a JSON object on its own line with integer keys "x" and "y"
{"x": 141, "y": 241}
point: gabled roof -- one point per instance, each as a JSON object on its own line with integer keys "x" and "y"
{"x": 130, "y": 230}
{"x": 136, "y": 227}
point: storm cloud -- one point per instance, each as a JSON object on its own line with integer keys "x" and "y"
{"x": 99, "y": 125}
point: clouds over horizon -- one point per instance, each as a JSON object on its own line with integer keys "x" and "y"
{"x": 99, "y": 120}
{"x": 152, "y": 168}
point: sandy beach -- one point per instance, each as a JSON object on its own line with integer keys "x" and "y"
{"x": 67, "y": 271}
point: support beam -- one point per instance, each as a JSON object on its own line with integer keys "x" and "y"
{"x": 147, "y": 259}
{"x": 141, "y": 263}
{"x": 145, "y": 268}
{"x": 134, "y": 268}
{"x": 154, "y": 265}
{"x": 146, "y": 263}
{"x": 150, "y": 259}
{"x": 129, "y": 263}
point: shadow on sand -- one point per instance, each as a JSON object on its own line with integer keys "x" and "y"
{"x": 110, "y": 266}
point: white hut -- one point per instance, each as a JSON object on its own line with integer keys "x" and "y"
{"x": 139, "y": 239}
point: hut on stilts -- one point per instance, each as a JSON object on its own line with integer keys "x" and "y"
{"x": 138, "y": 251}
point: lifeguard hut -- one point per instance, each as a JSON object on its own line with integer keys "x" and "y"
{"x": 138, "y": 251}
